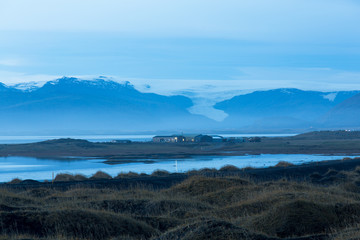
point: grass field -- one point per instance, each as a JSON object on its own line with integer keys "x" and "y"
{"x": 336, "y": 142}
{"x": 232, "y": 204}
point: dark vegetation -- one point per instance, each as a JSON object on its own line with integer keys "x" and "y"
{"x": 312, "y": 201}
{"x": 324, "y": 142}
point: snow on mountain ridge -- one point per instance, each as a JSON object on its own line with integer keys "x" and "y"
{"x": 100, "y": 81}
{"x": 28, "y": 86}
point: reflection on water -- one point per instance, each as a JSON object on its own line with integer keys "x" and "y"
{"x": 42, "y": 169}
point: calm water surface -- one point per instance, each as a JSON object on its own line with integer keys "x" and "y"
{"x": 42, "y": 169}
{"x": 92, "y": 138}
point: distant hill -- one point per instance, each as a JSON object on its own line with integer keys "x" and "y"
{"x": 280, "y": 108}
{"x": 322, "y": 135}
{"x": 345, "y": 115}
{"x": 69, "y": 105}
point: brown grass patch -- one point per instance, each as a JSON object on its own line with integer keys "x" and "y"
{"x": 160, "y": 173}
{"x": 65, "y": 177}
{"x": 127, "y": 175}
{"x": 201, "y": 185}
{"x": 283, "y": 164}
{"x": 15, "y": 181}
{"x": 99, "y": 175}
{"x": 229, "y": 168}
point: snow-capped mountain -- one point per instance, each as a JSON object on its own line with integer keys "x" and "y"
{"x": 70, "y": 104}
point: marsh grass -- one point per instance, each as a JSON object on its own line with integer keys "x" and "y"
{"x": 127, "y": 175}
{"x": 284, "y": 164}
{"x": 100, "y": 175}
{"x": 160, "y": 173}
{"x": 63, "y": 177}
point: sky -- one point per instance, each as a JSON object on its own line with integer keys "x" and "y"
{"x": 209, "y": 50}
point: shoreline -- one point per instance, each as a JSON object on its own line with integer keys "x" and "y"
{"x": 169, "y": 205}
{"x": 314, "y": 143}
{"x": 139, "y": 166}
{"x": 271, "y": 173}
{"x": 70, "y": 149}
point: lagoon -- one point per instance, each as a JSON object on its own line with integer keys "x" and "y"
{"x": 42, "y": 169}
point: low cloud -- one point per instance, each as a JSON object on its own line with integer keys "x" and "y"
{"x": 277, "y": 20}
{"x": 11, "y": 78}
{"x": 12, "y": 62}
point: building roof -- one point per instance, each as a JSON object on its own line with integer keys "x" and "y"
{"x": 168, "y": 136}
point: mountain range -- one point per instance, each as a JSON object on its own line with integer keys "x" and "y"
{"x": 73, "y": 106}
{"x": 70, "y": 105}
{"x": 291, "y": 109}
{"x": 344, "y": 115}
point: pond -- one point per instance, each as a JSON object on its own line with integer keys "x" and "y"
{"x": 42, "y": 169}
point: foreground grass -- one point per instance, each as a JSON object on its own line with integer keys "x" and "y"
{"x": 326, "y": 206}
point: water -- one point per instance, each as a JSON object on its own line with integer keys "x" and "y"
{"x": 42, "y": 169}
{"x": 91, "y": 138}
{"x": 108, "y": 138}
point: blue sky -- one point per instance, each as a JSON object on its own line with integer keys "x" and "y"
{"x": 205, "y": 47}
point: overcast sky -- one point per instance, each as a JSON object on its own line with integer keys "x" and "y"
{"x": 176, "y": 46}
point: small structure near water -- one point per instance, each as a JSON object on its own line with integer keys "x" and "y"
{"x": 203, "y": 139}
{"x": 217, "y": 138}
{"x": 209, "y": 138}
{"x": 169, "y": 139}
{"x": 190, "y": 138}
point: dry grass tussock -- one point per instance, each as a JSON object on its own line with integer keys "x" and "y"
{"x": 284, "y": 164}
{"x": 197, "y": 208}
{"x": 100, "y": 175}
{"x": 69, "y": 177}
{"x": 127, "y": 175}
{"x": 202, "y": 185}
